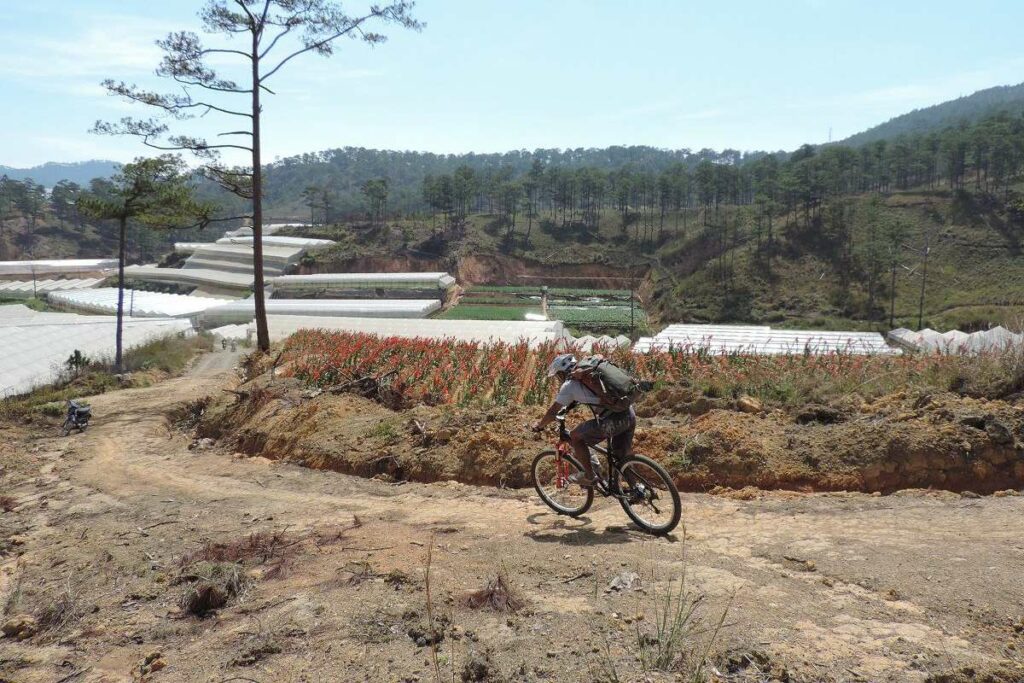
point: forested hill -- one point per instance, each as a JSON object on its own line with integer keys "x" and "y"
{"x": 969, "y": 108}
{"x": 342, "y": 172}
{"x": 50, "y": 173}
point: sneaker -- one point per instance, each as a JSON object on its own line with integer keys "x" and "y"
{"x": 581, "y": 479}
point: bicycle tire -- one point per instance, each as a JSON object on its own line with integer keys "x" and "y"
{"x": 588, "y": 493}
{"x": 668, "y": 486}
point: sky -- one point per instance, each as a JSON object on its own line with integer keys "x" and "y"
{"x": 492, "y": 75}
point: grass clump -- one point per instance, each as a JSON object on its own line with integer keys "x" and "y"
{"x": 210, "y": 585}
{"x": 498, "y": 596}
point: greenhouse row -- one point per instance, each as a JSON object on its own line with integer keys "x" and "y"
{"x": 761, "y": 340}
{"x": 243, "y": 311}
{"x": 191, "y": 277}
{"x": 307, "y": 243}
{"x": 425, "y": 281}
{"x": 24, "y": 289}
{"x": 137, "y": 303}
{"x": 238, "y": 257}
{"x": 475, "y": 331}
{"x": 37, "y": 345}
{"x": 956, "y": 342}
{"x": 56, "y": 266}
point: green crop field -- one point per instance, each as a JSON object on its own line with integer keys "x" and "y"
{"x": 553, "y": 292}
{"x": 598, "y": 315}
{"x": 485, "y": 312}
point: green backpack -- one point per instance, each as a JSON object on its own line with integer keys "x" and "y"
{"x": 616, "y": 389}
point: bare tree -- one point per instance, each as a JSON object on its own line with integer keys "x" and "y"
{"x": 275, "y": 32}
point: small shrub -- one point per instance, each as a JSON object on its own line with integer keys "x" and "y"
{"x": 497, "y": 596}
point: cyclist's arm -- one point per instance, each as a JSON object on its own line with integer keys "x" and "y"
{"x": 549, "y": 416}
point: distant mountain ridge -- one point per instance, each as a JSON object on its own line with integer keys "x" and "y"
{"x": 968, "y": 108}
{"x": 50, "y": 173}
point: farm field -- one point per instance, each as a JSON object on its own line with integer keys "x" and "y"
{"x": 584, "y": 311}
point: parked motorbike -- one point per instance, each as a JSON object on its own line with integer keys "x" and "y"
{"x": 78, "y": 418}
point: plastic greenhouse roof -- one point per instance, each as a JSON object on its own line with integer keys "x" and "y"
{"x": 477, "y": 331}
{"x": 36, "y": 345}
{"x": 190, "y": 276}
{"x": 136, "y": 302}
{"x": 27, "y": 288}
{"x": 243, "y": 311}
{"x": 56, "y": 266}
{"x": 438, "y": 280}
{"x": 761, "y": 340}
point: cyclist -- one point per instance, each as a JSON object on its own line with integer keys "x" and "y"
{"x": 618, "y": 426}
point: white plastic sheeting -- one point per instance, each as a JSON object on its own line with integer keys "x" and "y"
{"x": 244, "y": 310}
{"x": 235, "y": 332}
{"x": 954, "y": 341}
{"x": 238, "y": 257}
{"x": 475, "y": 331}
{"x": 307, "y": 243}
{"x": 36, "y": 345}
{"x": 761, "y": 340}
{"x": 590, "y": 344}
{"x": 190, "y": 277}
{"x": 56, "y": 266}
{"x": 137, "y": 303}
{"x": 23, "y": 289}
{"x": 363, "y": 280}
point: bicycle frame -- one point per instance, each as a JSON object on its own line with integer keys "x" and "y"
{"x": 564, "y": 448}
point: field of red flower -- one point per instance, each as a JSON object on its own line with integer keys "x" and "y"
{"x": 439, "y": 372}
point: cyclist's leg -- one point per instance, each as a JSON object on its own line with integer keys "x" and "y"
{"x": 621, "y": 431}
{"x": 582, "y": 438}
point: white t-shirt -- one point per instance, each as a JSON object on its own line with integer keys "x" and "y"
{"x": 574, "y": 390}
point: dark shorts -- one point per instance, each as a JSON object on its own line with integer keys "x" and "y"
{"x": 618, "y": 426}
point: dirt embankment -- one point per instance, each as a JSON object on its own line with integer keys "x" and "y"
{"x": 490, "y": 269}
{"x": 900, "y": 441}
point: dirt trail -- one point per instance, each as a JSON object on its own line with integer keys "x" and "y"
{"x": 836, "y": 587}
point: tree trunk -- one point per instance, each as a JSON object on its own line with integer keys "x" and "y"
{"x": 892, "y": 298}
{"x": 262, "y": 333}
{"x": 118, "y": 358}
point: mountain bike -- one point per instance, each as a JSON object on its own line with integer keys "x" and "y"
{"x": 642, "y": 486}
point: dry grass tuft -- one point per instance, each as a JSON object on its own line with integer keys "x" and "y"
{"x": 256, "y": 548}
{"x": 210, "y": 586}
{"x": 498, "y": 595}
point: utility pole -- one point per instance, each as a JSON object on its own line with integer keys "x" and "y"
{"x": 924, "y": 278}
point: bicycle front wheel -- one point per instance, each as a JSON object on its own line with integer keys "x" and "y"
{"x": 649, "y": 496}
{"x": 551, "y": 473}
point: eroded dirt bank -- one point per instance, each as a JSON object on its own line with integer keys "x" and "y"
{"x": 105, "y": 535}
{"x": 937, "y": 440}
{"x": 492, "y": 269}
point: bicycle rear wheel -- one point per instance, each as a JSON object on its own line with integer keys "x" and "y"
{"x": 550, "y": 477}
{"x": 648, "y": 495}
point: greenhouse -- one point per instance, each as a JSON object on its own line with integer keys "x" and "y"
{"x": 136, "y": 302}
{"x": 23, "y": 289}
{"x": 238, "y": 257}
{"x": 191, "y": 277}
{"x": 56, "y": 266}
{"x": 37, "y": 345}
{"x": 306, "y": 243}
{"x": 761, "y": 340}
{"x": 476, "y": 331}
{"x": 956, "y": 342}
{"x": 244, "y": 310}
{"x": 424, "y": 281}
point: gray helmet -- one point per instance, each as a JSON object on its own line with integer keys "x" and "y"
{"x": 562, "y": 363}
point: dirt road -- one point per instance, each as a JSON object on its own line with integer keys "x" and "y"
{"x": 837, "y": 587}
